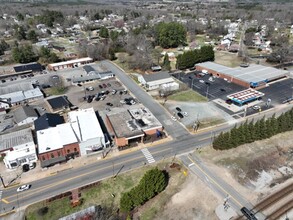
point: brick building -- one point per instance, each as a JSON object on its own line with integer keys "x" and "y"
{"x": 131, "y": 125}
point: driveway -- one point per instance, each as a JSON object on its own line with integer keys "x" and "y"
{"x": 174, "y": 129}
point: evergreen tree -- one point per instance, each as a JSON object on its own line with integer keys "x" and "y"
{"x": 104, "y": 32}
{"x": 166, "y": 62}
{"x": 32, "y": 36}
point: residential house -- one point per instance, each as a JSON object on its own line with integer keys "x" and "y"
{"x": 18, "y": 148}
{"x": 25, "y": 115}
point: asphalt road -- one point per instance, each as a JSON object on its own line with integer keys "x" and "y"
{"x": 173, "y": 129}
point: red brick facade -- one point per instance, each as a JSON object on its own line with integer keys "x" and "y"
{"x": 67, "y": 150}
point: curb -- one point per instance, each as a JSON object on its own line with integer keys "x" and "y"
{"x": 12, "y": 185}
{"x": 7, "y": 213}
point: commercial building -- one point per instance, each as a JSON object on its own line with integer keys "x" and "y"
{"x": 21, "y": 97}
{"x": 57, "y": 144}
{"x": 18, "y": 148}
{"x": 28, "y": 68}
{"x": 158, "y": 81}
{"x": 88, "y": 130}
{"x": 58, "y": 104}
{"x": 48, "y": 120}
{"x": 25, "y": 115}
{"x": 245, "y": 96}
{"x": 131, "y": 125}
{"x": 70, "y": 64}
{"x": 254, "y": 76}
{"x": 93, "y": 75}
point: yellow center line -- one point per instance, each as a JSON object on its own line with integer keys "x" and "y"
{"x": 34, "y": 191}
{"x": 4, "y": 200}
{"x": 218, "y": 185}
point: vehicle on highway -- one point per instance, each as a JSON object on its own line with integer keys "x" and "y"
{"x": 23, "y": 188}
{"x": 178, "y": 109}
{"x": 256, "y": 107}
{"x": 180, "y": 115}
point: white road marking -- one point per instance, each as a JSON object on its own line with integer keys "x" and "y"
{"x": 148, "y": 155}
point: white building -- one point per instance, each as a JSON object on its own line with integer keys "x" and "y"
{"x": 18, "y": 148}
{"x": 160, "y": 80}
{"x": 88, "y": 130}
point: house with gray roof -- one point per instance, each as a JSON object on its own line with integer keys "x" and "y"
{"x": 160, "y": 81}
{"x": 24, "y": 115}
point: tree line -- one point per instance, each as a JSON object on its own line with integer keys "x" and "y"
{"x": 153, "y": 182}
{"x": 250, "y": 132}
{"x": 190, "y": 58}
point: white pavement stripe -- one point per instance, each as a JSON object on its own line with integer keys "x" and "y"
{"x": 1, "y": 195}
{"x": 148, "y": 155}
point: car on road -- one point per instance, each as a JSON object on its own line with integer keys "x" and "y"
{"x": 109, "y": 104}
{"x": 256, "y": 107}
{"x": 179, "y": 114}
{"x": 178, "y": 109}
{"x": 23, "y": 188}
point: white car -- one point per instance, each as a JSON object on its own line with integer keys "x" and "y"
{"x": 90, "y": 88}
{"x": 201, "y": 81}
{"x": 173, "y": 118}
{"x": 185, "y": 114}
{"x": 23, "y": 188}
{"x": 256, "y": 107}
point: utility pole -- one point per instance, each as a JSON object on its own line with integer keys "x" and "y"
{"x": 2, "y": 181}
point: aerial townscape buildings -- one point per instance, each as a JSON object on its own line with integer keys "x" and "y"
{"x": 114, "y": 110}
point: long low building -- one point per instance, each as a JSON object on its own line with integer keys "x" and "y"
{"x": 70, "y": 64}
{"x": 254, "y": 76}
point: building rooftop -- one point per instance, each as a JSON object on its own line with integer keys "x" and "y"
{"x": 251, "y": 74}
{"x": 156, "y": 76}
{"x": 30, "y": 67}
{"x": 86, "y": 59}
{"x": 58, "y": 103}
{"x": 48, "y": 120}
{"x": 23, "y": 113}
{"x": 88, "y": 69}
{"x": 20, "y": 96}
{"x": 63, "y": 135}
{"x": 14, "y": 139}
{"x": 85, "y": 124}
{"x": 133, "y": 121}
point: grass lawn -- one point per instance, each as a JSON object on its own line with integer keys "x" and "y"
{"x": 101, "y": 195}
{"x": 56, "y": 90}
{"x": 187, "y": 96}
{"x": 227, "y": 59}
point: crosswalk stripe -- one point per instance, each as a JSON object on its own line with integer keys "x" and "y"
{"x": 148, "y": 155}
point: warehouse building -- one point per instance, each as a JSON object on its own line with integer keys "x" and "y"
{"x": 253, "y": 76}
{"x": 70, "y": 64}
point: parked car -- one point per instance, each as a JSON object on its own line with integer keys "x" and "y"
{"x": 173, "y": 118}
{"x": 109, "y": 104}
{"x": 107, "y": 92}
{"x": 108, "y": 84}
{"x": 3, "y": 80}
{"x": 185, "y": 114}
{"x": 180, "y": 115}
{"x": 55, "y": 77}
{"x": 201, "y": 81}
{"x": 78, "y": 84}
{"x": 121, "y": 93}
{"x": 104, "y": 85}
{"x": 100, "y": 86}
{"x": 23, "y": 188}
{"x": 223, "y": 90}
{"x": 256, "y": 107}
{"x": 90, "y": 88}
{"x": 114, "y": 92}
{"x": 178, "y": 109}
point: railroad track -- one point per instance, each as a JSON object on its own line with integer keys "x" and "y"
{"x": 271, "y": 200}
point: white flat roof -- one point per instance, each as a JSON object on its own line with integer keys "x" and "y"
{"x": 33, "y": 93}
{"x": 55, "y": 138}
{"x": 85, "y": 59}
{"x": 85, "y": 124}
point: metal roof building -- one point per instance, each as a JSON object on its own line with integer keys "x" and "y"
{"x": 251, "y": 76}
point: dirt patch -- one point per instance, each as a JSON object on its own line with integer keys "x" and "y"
{"x": 193, "y": 201}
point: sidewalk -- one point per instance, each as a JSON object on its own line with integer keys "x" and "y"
{"x": 39, "y": 173}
